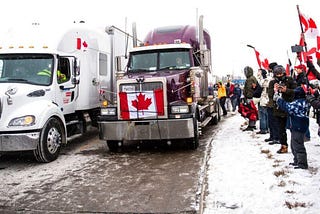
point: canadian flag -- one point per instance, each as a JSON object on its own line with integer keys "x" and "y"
{"x": 262, "y": 63}
{"x": 146, "y": 104}
{"x": 310, "y": 27}
{"x": 81, "y": 44}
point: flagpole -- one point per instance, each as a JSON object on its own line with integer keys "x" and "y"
{"x": 304, "y": 41}
{"x": 255, "y": 52}
{"x": 305, "y": 46}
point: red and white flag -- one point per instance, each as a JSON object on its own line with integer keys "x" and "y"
{"x": 81, "y": 44}
{"x": 310, "y": 27}
{"x": 262, "y": 63}
{"x": 144, "y": 104}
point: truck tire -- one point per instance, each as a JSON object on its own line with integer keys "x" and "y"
{"x": 217, "y": 117}
{"x": 52, "y": 136}
{"x": 113, "y": 145}
{"x": 194, "y": 142}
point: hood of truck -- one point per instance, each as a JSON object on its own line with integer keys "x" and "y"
{"x": 16, "y": 100}
{"x": 176, "y": 80}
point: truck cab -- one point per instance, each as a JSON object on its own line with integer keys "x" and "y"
{"x": 50, "y": 85}
{"x": 164, "y": 88}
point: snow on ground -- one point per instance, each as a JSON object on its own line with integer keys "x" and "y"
{"x": 246, "y": 175}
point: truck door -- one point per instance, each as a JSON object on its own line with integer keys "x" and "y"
{"x": 67, "y": 89}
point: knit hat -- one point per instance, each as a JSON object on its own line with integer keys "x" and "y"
{"x": 301, "y": 66}
{"x": 299, "y": 93}
{"x": 272, "y": 64}
{"x": 279, "y": 69}
{"x": 263, "y": 73}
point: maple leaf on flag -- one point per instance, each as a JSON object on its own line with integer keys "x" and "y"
{"x": 265, "y": 64}
{"x": 141, "y": 103}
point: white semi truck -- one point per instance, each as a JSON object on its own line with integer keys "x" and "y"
{"x": 50, "y": 84}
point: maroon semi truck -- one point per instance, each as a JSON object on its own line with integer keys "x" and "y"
{"x": 162, "y": 94}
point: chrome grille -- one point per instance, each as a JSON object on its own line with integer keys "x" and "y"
{"x": 144, "y": 86}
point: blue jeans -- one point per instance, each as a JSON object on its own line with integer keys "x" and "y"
{"x": 263, "y": 118}
{"x": 273, "y": 124}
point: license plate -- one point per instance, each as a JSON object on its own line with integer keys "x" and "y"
{"x": 126, "y": 88}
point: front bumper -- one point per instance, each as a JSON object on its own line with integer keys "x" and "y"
{"x": 19, "y": 141}
{"x": 146, "y": 129}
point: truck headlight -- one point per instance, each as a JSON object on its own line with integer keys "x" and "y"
{"x": 27, "y": 120}
{"x": 179, "y": 109}
{"x": 109, "y": 111}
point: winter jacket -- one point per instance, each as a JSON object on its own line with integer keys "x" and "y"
{"x": 222, "y": 92}
{"x": 237, "y": 91}
{"x": 264, "y": 99}
{"x": 301, "y": 78}
{"x": 298, "y": 113}
{"x": 315, "y": 103}
{"x": 248, "y": 90}
{"x": 288, "y": 96}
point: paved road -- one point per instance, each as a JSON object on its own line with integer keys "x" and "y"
{"x": 87, "y": 178}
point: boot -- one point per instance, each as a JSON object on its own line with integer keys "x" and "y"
{"x": 274, "y": 142}
{"x": 250, "y": 128}
{"x": 283, "y": 149}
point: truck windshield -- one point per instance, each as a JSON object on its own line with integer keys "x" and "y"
{"x": 159, "y": 60}
{"x": 26, "y": 68}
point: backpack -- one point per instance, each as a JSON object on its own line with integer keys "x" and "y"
{"x": 257, "y": 91}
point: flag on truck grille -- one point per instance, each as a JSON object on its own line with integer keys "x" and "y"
{"x": 145, "y": 104}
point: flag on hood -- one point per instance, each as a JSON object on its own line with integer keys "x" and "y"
{"x": 146, "y": 104}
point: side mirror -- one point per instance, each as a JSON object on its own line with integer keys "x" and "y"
{"x": 76, "y": 67}
{"x": 206, "y": 58}
{"x": 119, "y": 64}
{"x": 75, "y": 81}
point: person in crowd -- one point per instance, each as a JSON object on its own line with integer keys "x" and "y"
{"x": 232, "y": 96}
{"x": 314, "y": 100}
{"x": 301, "y": 79}
{"x": 222, "y": 95}
{"x": 272, "y": 122}
{"x": 298, "y": 124}
{"x": 285, "y": 86}
{"x": 228, "y": 98}
{"x": 312, "y": 73}
{"x": 211, "y": 88}
{"x": 263, "y": 101}
{"x": 248, "y": 91}
{"x": 237, "y": 92}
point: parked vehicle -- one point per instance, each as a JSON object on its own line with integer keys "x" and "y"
{"x": 163, "y": 92}
{"x": 50, "y": 84}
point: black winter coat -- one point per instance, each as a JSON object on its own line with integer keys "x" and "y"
{"x": 288, "y": 96}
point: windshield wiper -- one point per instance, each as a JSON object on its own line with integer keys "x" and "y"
{"x": 168, "y": 67}
{"x": 139, "y": 70}
{"x": 17, "y": 80}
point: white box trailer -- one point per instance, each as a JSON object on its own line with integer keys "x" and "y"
{"x": 50, "y": 83}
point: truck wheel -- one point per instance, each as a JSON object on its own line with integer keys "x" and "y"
{"x": 214, "y": 120}
{"x": 194, "y": 142}
{"x": 52, "y": 136}
{"x": 113, "y": 145}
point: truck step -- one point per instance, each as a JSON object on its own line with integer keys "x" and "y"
{"x": 203, "y": 107}
{"x": 205, "y": 122}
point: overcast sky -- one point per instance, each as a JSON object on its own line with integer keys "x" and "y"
{"x": 272, "y": 26}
